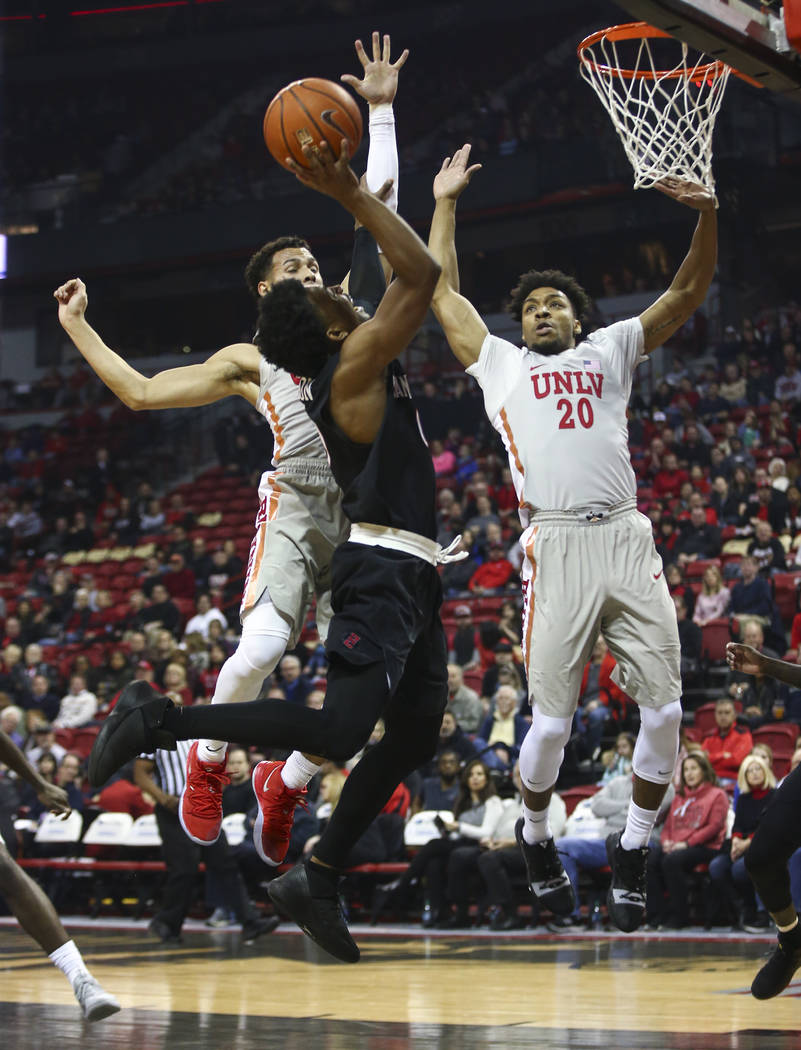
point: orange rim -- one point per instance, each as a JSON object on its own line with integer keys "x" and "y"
{"x": 642, "y": 31}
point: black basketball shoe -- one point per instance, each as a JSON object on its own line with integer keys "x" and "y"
{"x": 133, "y": 727}
{"x": 547, "y": 879}
{"x": 782, "y": 963}
{"x": 625, "y": 901}
{"x": 318, "y": 916}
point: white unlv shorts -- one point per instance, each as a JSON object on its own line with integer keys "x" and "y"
{"x": 584, "y": 573}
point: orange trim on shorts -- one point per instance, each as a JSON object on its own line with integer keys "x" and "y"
{"x": 530, "y": 604}
{"x": 277, "y": 429}
{"x": 272, "y": 506}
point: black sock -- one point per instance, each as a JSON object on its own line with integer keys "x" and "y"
{"x": 323, "y": 881}
{"x": 791, "y": 938}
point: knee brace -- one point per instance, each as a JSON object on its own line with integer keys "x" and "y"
{"x": 657, "y": 746}
{"x": 265, "y": 634}
{"x": 543, "y": 750}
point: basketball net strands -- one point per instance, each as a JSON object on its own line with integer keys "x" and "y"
{"x": 663, "y": 113}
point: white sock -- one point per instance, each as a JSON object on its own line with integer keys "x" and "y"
{"x": 70, "y": 961}
{"x": 211, "y": 750}
{"x": 639, "y": 825}
{"x": 536, "y": 825}
{"x": 298, "y": 771}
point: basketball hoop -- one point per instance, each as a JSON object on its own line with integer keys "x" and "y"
{"x": 664, "y": 116}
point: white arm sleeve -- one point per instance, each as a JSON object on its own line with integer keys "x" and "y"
{"x": 382, "y": 156}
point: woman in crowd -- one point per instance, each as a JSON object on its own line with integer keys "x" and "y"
{"x": 727, "y": 874}
{"x": 692, "y": 835}
{"x": 713, "y": 601}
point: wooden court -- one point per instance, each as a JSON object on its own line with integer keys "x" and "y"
{"x": 527, "y": 989}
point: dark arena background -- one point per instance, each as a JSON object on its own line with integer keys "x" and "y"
{"x": 133, "y": 158}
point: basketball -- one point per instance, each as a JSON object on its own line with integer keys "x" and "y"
{"x": 307, "y": 112}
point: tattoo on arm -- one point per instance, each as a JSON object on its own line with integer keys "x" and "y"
{"x": 670, "y": 322}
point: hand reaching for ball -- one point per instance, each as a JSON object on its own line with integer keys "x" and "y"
{"x": 380, "y": 81}
{"x": 454, "y": 175}
{"x": 326, "y": 173}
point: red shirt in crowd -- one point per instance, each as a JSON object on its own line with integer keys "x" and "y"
{"x": 667, "y": 483}
{"x": 727, "y": 752}
{"x": 491, "y": 574}
{"x": 698, "y": 816}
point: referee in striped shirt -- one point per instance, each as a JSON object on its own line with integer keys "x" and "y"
{"x": 162, "y": 776}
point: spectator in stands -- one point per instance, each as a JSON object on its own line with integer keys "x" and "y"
{"x": 463, "y": 702}
{"x": 440, "y": 791}
{"x": 43, "y": 742}
{"x": 714, "y": 600}
{"x": 125, "y": 522}
{"x": 766, "y": 549}
{"x": 152, "y": 520}
{"x": 78, "y": 707}
{"x": 26, "y": 525}
{"x": 771, "y": 503}
{"x": 692, "y": 835}
{"x": 727, "y": 874}
{"x": 502, "y": 732}
{"x": 690, "y": 638}
{"x": 80, "y": 536}
{"x": 692, "y": 450}
{"x": 295, "y": 684}
{"x": 238, "y": 794}
{"x": 451, "y": 738}
{"x": 483, "y": 516}
{"x": 751, "y": 595}
{"x": 80, "y": 618}
{"x": 733, "y": 387}
{"x": 12, "y": 723}
{"x": 464, "y": 649}
{"x": 162, "y": 611}
{"x": 788, "y": 385}
{"x": 175, "y": 681}
{"x": 443, "y": 459}
{"x": 199, "y": 560}
{"x": 203, "y": 616}
{"x": 758, "y": 694}
{"x": 724, "y": 502}
{"x": 618, "y": 761}
{"x": 670, "y": 478}
{"x": 123, "y": 796}
{"x": 727, "y": 745}
{"x": 712, "y": 407}
{"x": 456, "y": 575}
{"x": 69, "y": 776}
{"x": 674, "y": 574}
{"x": 494, "y": 575}
{"x": 504, "y": 657}
{"x": 179, "y": 579}
{"x": 697, "y": 539}
{"x": 777, "y": 472}
{"x": 43, "y": 701}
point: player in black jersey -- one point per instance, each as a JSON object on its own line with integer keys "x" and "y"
{"x": 386, "y": 644}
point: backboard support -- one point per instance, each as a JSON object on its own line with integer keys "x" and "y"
{"x": 737, "y": 33}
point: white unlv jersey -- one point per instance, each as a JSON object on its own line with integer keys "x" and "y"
{"x": 563, "y": 418}
{"x": 294, "y": 434}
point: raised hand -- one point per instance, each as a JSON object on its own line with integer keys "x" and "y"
{"x": 54, "y": 799}
{"x": 744, "y": 658}
{"x": 333, "y": 177}
{"x": 454, "y": 175}
{"x": 693, "y": 194}
{"x": 72, "y": 300}
{"x": 380, "y": 81}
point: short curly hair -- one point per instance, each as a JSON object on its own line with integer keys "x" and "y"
{"x": 563, "y": 282}
{"x": 261, "y": 262}
{"x": 291, "y": 332}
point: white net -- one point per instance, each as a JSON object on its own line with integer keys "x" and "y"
{"x": 664, "y": 116}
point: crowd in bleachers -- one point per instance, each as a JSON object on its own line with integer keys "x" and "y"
{"x": 107, "y": 580}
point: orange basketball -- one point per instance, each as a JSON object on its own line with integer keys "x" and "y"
{"x": 310, "y": 111}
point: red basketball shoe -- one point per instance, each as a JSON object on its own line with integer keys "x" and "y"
{"x": 276, "y": 811}
{"x": 200, "y": 809}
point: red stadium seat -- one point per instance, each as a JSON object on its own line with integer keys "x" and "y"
{"x": 785, "y": 593}
{"x": 780, "y": 737}
{"x": 714, "y": 636}
{"x": 573, "y": 795}
{"x": 698, "y": 568}
{"x": 473, "y": 680}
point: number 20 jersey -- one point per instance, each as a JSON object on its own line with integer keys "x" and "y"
{"x": 562, "y": 418}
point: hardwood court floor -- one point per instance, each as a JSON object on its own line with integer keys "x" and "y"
{"x": 455, "y": 993}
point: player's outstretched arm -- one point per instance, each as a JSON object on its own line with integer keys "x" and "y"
{"x": 751, "y": 661}
{"x": 691, "y": 283}
{"x": 461, "y": 322}
{"x": 52, "y": 796}
{"x": 232, "y": 370}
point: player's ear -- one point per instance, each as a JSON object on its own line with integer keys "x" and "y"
{"x": 262, "y": 287}
{"x": 337, "y": 334}
{"x": 577, "y": 327}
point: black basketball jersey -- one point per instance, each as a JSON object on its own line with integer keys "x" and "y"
{"x": 391, "y": 481}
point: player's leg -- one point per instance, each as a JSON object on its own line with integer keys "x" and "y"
{"x": 264, "y": 638}
{"x": 560, "y": 625}
{"x": 37, "y": 916}
{"x": 777, "y": 837}
{"x": 640, "y": 628}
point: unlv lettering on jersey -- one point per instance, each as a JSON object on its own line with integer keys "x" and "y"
{"x": 567, "y": 383}
{"x": 304, "y": 388}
